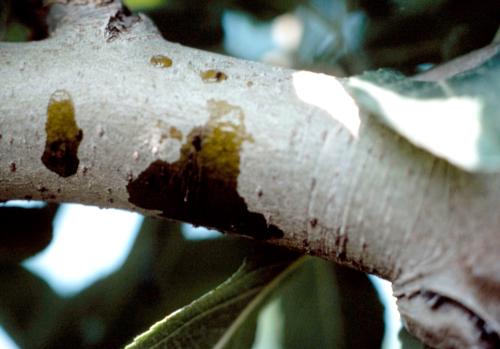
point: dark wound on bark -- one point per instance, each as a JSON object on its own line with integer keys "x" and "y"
{"x": 201, "y": 187}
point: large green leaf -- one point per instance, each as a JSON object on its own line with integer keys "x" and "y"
{"x": 457, "y": 119}
{"x": 227, "y": 316}
{"x": 323, "y": 305}
{"x": 276, "y": 301}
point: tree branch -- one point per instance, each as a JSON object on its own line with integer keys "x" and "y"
{"x": 95, "y": 114}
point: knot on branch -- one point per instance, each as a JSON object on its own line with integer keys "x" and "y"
{"x": 442, "y": 322}
{"x": 120, "y": 24}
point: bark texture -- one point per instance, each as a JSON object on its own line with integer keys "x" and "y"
{"x": 105, "y": 112}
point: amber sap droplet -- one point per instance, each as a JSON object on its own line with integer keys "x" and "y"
{"x": 160, "y": 61}
{"x": 63, "y": 135}
{"x": 210, "y": 76}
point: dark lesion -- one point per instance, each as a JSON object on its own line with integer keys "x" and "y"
{"x": 201, "y": 187}
{"x": 61, "y": 157}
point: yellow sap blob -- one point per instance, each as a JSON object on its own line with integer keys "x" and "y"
{"x": 161, "y": 61}
{"x": 221, "y": 140}
{"x": 63, "y": 135}
{"x": 210, "y": 76}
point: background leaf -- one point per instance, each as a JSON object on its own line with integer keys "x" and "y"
{"x": 163, "y": 273}
{"x": 202, "y": 323}
{"x": 24, "y": 232}
{"x": 282, "y": 302}
{"x": 457, "y": 119}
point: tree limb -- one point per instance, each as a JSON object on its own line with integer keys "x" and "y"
{"x": 89, "y": 115}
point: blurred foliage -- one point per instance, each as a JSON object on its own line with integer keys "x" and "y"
{"x": 139, "y": 5}
{"x": 320, "y": 303}
{"x": 17, "y": 17}
{"x": 361, "y": 35}
{"x": 162, "y": 273}
{"x": 24, "y": 232}
{"x": 348, "y": 36}
{"x": 199, "y": 23}
{"x": 456, "y": 118}
{"x": 16, "y": 32}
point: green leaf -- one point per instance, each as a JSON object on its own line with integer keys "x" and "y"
{"x": 457, "y": 119}
{"x": 323, "y": 305}
{"x": 16, "y": 32}
{"x": 311, "y": 308}
{"x": 136, "y": 5}
{"x": 277, "y": 300}
{"x": 227, "y": 316}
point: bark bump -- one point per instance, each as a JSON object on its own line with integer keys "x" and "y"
{"x": 120, "y": 24}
